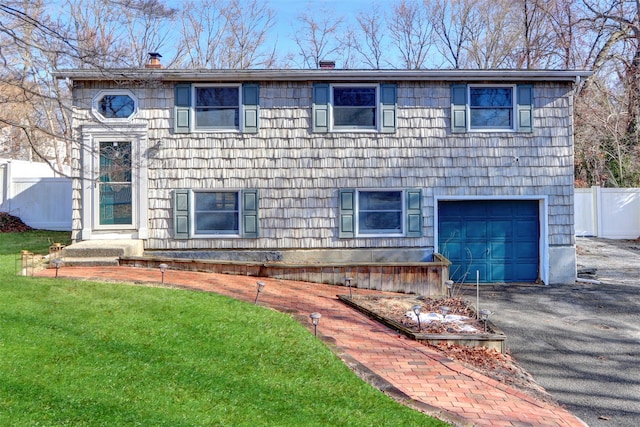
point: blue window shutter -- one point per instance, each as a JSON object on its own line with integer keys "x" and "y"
{"x": 250, "y": 107}
{"x": 414, "y": 213}
{"x": 320, "y": 109}
{"x": 250, "y": 213}
{"x": 388, "y": 100}
{"x": 458, "y": 108}
{"x": 346, "y": 213}
{"x": 182, "y": 108}
{"x": 181, "y": 214}
{"x": 525, "y": 108}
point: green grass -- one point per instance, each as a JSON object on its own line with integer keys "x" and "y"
{"x": 90, "y": 354}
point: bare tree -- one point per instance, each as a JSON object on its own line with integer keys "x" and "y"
{"x": 202, "y": 28}
{"x": 493, "y": 38}
{"x": 147, "y": 25}
{"x": 317, "y": 38}
{"x": 411, "y": 33}
{"x": 34, "y": 123}
{"x": 248, "y": 25}
{"x": 603, "y": 153}
{"x": 229, "y": 34}
{"x": 372, "y": 47}
{"x": 451, "y": 20}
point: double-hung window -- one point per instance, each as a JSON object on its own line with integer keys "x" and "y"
{"x": 216, "y": 107}
{"x": 380, "y": 213}
{"x": 354, "y": 107}
{"x": 215, "y": 213}
{"x": 486, "y": 108}
{"x": 491, "y": 107}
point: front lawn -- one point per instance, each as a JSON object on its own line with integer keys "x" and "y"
{"x": 93, "y": 354}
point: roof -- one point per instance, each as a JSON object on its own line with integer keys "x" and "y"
{"x": 196, "y": 75}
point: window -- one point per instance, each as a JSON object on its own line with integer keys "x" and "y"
{"x": 378, "y": 213}
{"x": 115, "y": 106}
{"x": 491, "y": 108}
{"x": 115, "y": 183}
{"x": 354, "y": 107}
{"x": 217, "y": 107}
{"x": 209, "y": 107}
{"x": 216, "y": 213}
{"x": 204, "y": 213}
{"x": 342, "y": 107}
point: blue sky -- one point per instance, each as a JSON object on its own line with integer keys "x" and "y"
{"x": 287, "y": 12}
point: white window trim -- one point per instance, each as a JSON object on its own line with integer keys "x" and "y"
{"x": 514, "y": 107}
{"x": 194, "y": 128}
{"x": 403, "y": 215}
{"x": 377, "y": 128}
{"x": 192, "y": 214}
{"x": 96, "y": 111}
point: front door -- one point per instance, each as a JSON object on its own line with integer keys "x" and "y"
{"x": 114, "y": 196}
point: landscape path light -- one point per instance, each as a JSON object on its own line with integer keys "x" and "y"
{"x": 57, "y": 263}
{"x": 449, "y": 284}
{"x": 348, "y": 283}
{"x": 484, "y": 315}
{"x": 416, "y": 309}
{"x": 444, "y": 310}
{"x": 315, "y": 319}
{"x": 163, "y": 267}
{"x": 258, "y": 290}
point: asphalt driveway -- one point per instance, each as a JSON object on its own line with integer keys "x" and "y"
{"x": 580, "y": 342}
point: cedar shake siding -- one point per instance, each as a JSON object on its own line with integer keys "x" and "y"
{"x": 297, "y": 169}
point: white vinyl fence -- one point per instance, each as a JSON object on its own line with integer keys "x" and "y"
{"x": 612, "y": 213}
{"x": 36, "y": 194}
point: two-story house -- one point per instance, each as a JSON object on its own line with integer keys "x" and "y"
{"x": 332, "y": 165}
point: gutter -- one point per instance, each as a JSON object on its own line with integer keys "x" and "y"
{"x": 176, "y": 75}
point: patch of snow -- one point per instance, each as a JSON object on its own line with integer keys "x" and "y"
{"x": 449, "y": 318}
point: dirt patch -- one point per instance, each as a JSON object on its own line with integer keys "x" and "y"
{"x": 12, "y": 224}
{"x": 491, "y": 363}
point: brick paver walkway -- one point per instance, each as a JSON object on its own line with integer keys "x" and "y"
{"x": 407, "y": 370}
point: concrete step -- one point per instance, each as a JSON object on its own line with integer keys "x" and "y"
{"x": 104, "y": 249}
{"x": 89, "y": 262}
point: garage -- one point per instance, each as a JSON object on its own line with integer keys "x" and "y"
{"x": 499, "y": 239}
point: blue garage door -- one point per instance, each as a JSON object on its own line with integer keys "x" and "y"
{"x": 497, "y": 238}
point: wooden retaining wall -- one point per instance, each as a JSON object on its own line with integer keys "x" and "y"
{"x": 421, "y": 278}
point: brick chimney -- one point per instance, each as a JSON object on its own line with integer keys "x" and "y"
{"x": 154, "y": 60}
{"x": 327, "y": 65}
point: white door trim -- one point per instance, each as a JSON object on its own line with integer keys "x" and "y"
{"x": 543, "y": 214}
{"x": 92, "y": 135}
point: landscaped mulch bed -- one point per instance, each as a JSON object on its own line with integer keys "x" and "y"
{"x": 499, "y": 366}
